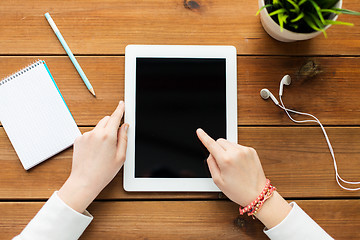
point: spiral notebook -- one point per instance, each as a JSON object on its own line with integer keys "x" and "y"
{"x": 35, "y": 116}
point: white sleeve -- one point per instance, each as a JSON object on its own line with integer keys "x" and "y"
{"x": 297, "y": 226}
{"x": 56, "y": 221}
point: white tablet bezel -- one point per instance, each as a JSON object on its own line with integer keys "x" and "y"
{"x": 175, "y": 51}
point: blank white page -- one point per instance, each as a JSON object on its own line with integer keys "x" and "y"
{"x": 35, "y": 116}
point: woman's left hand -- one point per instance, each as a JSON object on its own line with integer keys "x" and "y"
{"x": 98, "y": 157}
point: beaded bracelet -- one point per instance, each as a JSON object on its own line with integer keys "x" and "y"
{"x": 261, "y": 203}
{"x": 254, "y": 206}
{"x": 261, "y": 196}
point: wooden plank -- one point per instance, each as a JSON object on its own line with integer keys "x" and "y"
{"x": 184, "y": 219}
{"x": 332, "y": 96}
{"x": 107, "y": 26}
{"x": 40, "y": 181}
{"x": 296, "y": 159}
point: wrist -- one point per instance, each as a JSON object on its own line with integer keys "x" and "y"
{"x": 274, "y": 211}
{"x": 76, "y": 194}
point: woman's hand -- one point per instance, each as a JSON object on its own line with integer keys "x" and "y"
{"x": 237, "y": 171}
{"x": 98, "y": 157}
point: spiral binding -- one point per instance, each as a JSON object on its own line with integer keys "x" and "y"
{"x": 21, "y": 72}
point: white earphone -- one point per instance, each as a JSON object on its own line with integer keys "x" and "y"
{"x": 286, "y": 80}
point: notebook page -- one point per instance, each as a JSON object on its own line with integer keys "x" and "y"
{"x": 35, "y": 117}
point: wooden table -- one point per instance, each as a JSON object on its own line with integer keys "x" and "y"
{"x": 295, "y": 158}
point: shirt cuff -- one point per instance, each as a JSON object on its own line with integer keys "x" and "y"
{"x": 297, "y": 225}
{"x": 56, "y": 220}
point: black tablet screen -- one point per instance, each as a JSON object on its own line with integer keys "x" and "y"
{"x": 174, "y": 97}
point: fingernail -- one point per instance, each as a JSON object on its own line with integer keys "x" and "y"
{"x": 126, "y": 127}
{"x": 121, "y": 102}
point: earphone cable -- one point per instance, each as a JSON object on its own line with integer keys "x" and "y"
{"x": 282, "y": 106}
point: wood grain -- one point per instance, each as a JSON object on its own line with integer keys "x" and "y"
{"x": 181, "y": 219}
{"x": 332, "y": 95}
{"x": 296, "y": 159}
{"x": 107, "y": 26}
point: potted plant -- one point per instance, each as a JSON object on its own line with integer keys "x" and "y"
{"x": 294, "y": 20}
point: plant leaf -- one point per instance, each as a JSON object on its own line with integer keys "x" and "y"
{"x": 317, "y": 21}
{"x": 302, "y": 2}
{"x": 330, "y": 11}
{"x": 301, "y": 15}
{"x": 295, "y": 26}
{"x": 318, "y": 10}
{"x": 281, "y": 10}
{"x": 311, "y": 24}
{"x": 284, "y": 17}
{"x": 345, "y": 11}
{"x": 328, "y": 22}
{"x": 267, "y": 5}
{"x": 281, "y": 23}
{"x": 296, "y": 7}
{"x": 278, "y": 2}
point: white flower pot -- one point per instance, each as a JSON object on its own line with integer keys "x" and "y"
{"x": 274, "y": 30}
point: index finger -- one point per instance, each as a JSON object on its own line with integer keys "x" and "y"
{"x": 214, "y": 148}
{"x": 114, "y": 122}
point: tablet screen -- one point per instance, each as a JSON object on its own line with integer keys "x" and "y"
{"x": 174, "y": 97}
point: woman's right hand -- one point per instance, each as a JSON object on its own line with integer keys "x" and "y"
{"x": 235, "y": 169}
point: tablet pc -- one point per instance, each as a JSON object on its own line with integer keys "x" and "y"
{"x": 170, "y": 91}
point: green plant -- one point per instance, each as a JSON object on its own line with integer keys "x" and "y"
{"x": 305, "y": 15}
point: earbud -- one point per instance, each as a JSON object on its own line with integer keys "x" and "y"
{"x": 265, "y": 94}
{"x": 285, "y": 80}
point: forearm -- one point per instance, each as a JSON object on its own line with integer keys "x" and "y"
{"x": 76, "y": 194}
{"x": 274, "y": 210}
